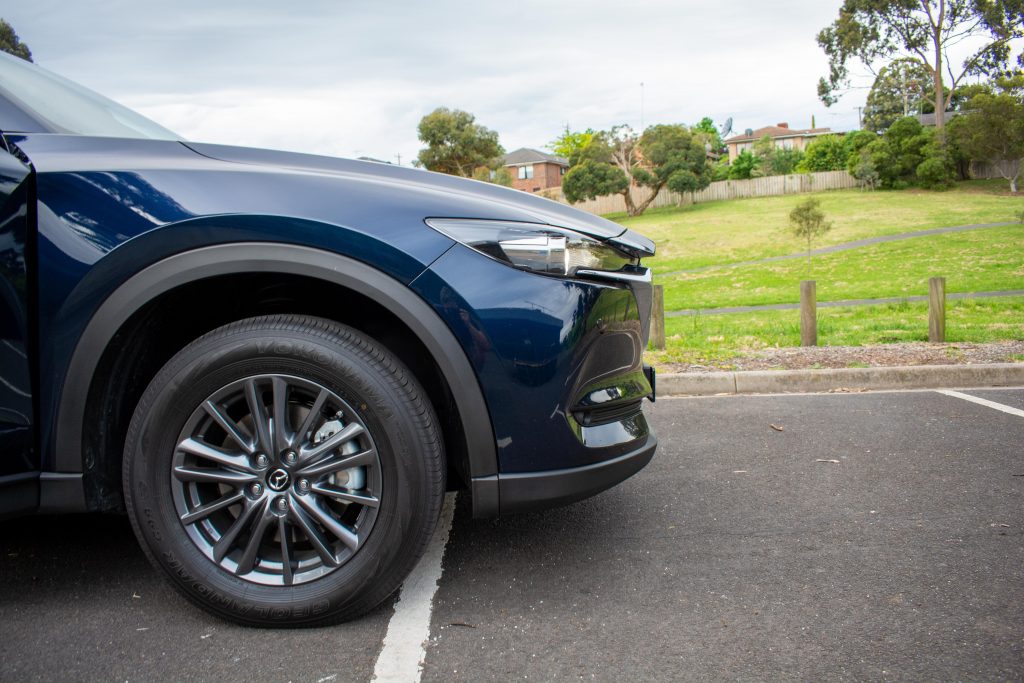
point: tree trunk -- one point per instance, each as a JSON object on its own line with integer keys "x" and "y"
{"x": 628, "y": 196}
{"x": 647, "y": 202}
{"x": 940, "y": 100}
{"x": 1010, "y": 170}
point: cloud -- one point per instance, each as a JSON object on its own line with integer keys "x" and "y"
{"x": 354, "y": 77}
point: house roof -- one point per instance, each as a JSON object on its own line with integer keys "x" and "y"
{"x": 525, "y": 155}
{"x": 779, "y": 132}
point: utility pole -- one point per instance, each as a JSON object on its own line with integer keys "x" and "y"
{"x": 641, "y": 107}
{"x": 399, "y": 155}
{"x": 860, "y": 125}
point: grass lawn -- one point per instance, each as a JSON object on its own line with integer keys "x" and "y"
{"x": 723, "y": 233}
{"x": 702, "y": 339}
{"x": 974, "y": 261}
{"x": 747, "y": 229}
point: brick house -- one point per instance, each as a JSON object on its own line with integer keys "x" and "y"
{"x": 784, "y": 137}
{"x": 533, "y": 171}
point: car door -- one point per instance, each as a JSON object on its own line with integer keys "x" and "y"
{"x": 19, "y": 488}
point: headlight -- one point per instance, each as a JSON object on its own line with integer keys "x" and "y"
{"x": 540, "y": 248}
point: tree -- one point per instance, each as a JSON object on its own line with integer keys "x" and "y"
{"x": 785, "y": 161}
{"x": 870, "y": 31}
{"x": 571, "y": 144}
{"x": 712, "y": 137}
{"x": 456, "y": 144}
{"x": 992, "y": 130}
{"x": 907, "y": 153}
{"x": 744, "y": 166}
{"x": 855, "y": 141}
{"x": 773, "y": 160}
{"x": 863, "y": 169}
{"x": 498, "y": 175}
{"x": 807, "y": 222}
{"x": 615, "y": 160}
{"x": 824, "y": 153}
{"x": 901, "y": 89}
{"x": 11, "y": 44}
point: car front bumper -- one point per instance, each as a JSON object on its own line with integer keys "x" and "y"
{"x": 527, "y": 491}
{"x": 560, "y": 364}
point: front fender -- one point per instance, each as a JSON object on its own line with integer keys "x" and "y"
{"x": 223, "y": 259}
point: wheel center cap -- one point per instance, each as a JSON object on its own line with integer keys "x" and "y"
{"x": 278, "y": 479}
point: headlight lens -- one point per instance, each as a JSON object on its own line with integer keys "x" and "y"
{"x": 540, "y": 248}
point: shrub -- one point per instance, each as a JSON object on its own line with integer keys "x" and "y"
{"x": 720, "y": 171}
{"x": 935, "y": 172}
{"x": 825, "y": 153}
{"x": 898, "y": 155}
{"x": 743, "y": 166}
{"x": 863, "y": 169}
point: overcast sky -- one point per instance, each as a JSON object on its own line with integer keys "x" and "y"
{"x": 354, "y": 77}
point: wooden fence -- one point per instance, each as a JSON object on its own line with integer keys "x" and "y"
{"x": 769, "y": 186}
{"x": 979, "y": 170}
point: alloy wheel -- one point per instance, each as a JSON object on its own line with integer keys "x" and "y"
{"x": 276, "y": 479}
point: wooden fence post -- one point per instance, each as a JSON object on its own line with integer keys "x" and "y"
{"x": 658, "y": 318}
{"x": 808, "y": 313}
{"x": 936, "y": 309}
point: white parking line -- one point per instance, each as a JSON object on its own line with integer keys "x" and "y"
{"x": 405, "y": 644}
{"x": 983, "y": 402}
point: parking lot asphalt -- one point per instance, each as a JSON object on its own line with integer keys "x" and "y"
{"x": 868, "y": 536}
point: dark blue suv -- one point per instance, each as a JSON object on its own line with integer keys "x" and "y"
{"x": 277, "y": 363}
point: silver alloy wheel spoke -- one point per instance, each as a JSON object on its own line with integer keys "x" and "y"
{"x": 284, "y": 531}
{"x": 317, "y": 451}
{"x": 346, "y": 495}
{"x": 231, "y": 427}
{"x": 316, "y": 539}
{"x": 208, "y": 452}
{"x": 211, "y": 476}
{"x": 338, "y": 529}
{"x": 223, "y": 545}
{"x": 204, "y": 511}
{"x": 248, "y": 559}
{"x": 259, "y": 416}
{"x": 311, "y": 418}
{"x": 337, "y": 464}
{"x": 280, "y": 424}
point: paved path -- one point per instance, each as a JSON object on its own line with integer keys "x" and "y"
{"x": 832, "y": 304}
{"x": 843, "y": 247}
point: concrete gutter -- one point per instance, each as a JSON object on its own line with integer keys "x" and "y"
{"x": 808, "y": 381}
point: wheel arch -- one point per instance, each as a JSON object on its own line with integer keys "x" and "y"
{"x": 204, "y": 263}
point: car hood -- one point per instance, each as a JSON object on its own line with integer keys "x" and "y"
{"x": 534, "y": 208}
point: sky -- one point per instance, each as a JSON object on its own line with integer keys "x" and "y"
{"x": 354, "y": 77}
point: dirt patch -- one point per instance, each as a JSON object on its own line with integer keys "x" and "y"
{"x": 879, "y": 355}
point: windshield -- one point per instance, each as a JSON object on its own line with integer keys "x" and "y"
{"x": 65, "y": 107}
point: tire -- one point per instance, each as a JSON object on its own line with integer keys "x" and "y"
{"x": 308, "y": 525}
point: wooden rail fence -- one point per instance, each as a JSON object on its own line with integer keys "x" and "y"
{"x": 809, "y": 313}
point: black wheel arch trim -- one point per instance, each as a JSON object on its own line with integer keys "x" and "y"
{"x": 248, "y": 257}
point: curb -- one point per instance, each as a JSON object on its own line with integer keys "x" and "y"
{"x": 810, "y": 381}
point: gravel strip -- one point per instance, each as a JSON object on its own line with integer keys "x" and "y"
{"x": 879, "y": 355}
